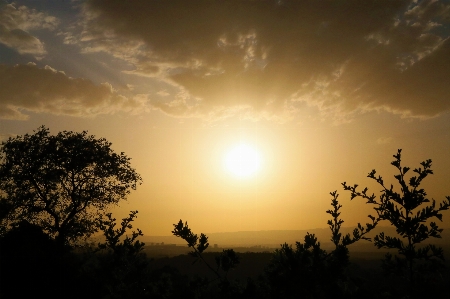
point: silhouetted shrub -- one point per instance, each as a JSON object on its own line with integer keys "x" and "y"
{"x": 34, "y": 265}
{"x": 310, "y": 271}
{"x": 117, "y": 266}
{"x": 225, "y": 261}
{"x": 407, "y": 212}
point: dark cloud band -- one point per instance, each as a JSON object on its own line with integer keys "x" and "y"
{"x": 27, "y": 87}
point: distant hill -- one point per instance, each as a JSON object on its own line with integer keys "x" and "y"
{"x": 273, "y": 238}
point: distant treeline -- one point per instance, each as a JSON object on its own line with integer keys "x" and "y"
{"x": 273, "y": 238}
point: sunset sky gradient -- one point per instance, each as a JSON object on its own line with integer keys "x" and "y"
{"x": 324, "y": 91}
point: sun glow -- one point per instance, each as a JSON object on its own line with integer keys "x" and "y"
{"x": 242, "y": 161}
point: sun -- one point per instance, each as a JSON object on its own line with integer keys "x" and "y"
{"x": 242, "y": 161}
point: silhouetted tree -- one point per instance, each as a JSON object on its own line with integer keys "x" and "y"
{"x": 5, "y": 209}
{"x": 62, "y": 183}
{"x": 405, "y": 210}
{"x": 308, "y": 270}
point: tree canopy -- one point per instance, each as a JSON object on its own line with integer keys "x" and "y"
{"x": 62, "y": 182}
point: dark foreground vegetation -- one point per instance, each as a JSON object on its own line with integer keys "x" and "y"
{"x": 55, "y": 191}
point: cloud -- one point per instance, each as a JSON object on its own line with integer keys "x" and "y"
{"x": 15, "y": 24}
{"x": 268, "y": 58}
{"x": 29, "y": 88}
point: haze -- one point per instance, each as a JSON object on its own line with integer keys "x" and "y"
{"x": 322, "y": 91}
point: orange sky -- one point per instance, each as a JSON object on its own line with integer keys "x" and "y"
{"x": 325, "y": 91}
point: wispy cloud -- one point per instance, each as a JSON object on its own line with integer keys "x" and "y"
{"x": 269, "y": 58}
{"x": 29, "y": 88}
{"x": 16, "y": 24}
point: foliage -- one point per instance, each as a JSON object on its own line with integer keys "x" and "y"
{"x": 405, "y": 210}
{"x": 6, "y": 208}
{"x": 120, "y": 267}
{"x": 168, "y": 282}
{"x": 30, "y": 257}
{"x": 297, "y": 271}
{"x": 310, "y": 270}
{"x": 129, "y": 245}
{"x": 62, "y": 183}
{"x": 340, "y": 253}
{"x": 335, "y": 225}
{"x": 226, "y": 261}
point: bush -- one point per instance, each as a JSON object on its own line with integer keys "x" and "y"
{"x": 412, "y": 218}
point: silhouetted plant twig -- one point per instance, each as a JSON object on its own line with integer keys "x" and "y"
{"x": 405, "y": 211}
{"x": 226, "y": 261}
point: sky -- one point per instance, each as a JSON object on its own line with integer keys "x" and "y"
{"x": 322, "y": 92}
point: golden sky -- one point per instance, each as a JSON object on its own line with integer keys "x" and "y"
{"x": 322, "y": 91}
